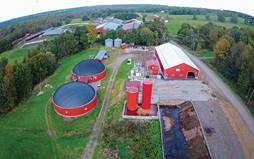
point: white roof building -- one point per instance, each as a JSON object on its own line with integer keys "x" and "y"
{"x": 171, "y": 55}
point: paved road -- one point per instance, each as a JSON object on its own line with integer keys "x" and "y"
{"x": 91, "y": 145}
{"x": 220, "y": 87}
{"x": 222, "y": 141}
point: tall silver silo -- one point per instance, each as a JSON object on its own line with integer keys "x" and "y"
{"x": 117, "y": 43}
{"x": 109, "y": 43}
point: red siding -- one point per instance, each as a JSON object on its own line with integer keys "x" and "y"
{"x": 152, "y": 67}
{"x": 153, "y": 70}
{"x": 123, "y": 46}
{"x": 89, "y": 79}
{"x": 179, "y": 72}
{"x": 75, "y": 112}
{"x": 171, "y": 73}
{"x": 101, "y": 30}
{"x": 156, "y": 54}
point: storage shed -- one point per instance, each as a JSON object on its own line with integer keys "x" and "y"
{"x": 174, "y": 63}
{"x": 100, "y": 55}
{"x": 74, "y": 99}
{"x": 89, "y": 71}
{"x": 152, "y": 67}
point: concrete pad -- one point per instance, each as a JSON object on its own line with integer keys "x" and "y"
{"x": 186, "y": 90}
{"x": 222, "y": 140}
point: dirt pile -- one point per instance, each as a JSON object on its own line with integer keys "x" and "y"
{"x": 190, "y": 126}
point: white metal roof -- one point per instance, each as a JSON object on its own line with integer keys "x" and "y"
{"x": 171, "y": 55}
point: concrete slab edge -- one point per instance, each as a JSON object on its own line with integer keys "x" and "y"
{"x": 203, "y": 131}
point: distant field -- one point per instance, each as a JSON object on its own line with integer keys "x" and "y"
{"x": 175, "y": 21}
{"x": 25, "y": 131}
{"x": 78, "y": 20}
{"x": 15, "y": 54}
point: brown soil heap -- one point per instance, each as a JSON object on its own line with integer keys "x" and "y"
{"x": 196, "y": 146}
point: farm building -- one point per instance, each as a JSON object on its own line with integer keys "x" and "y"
{"x": 74, "y": 99}
{"x": 101, "y": 55}
{"x": 29, "y": 37}
{"x": 54, "y": 31}
{"x": 174, "y": 63}
{"x": 107, "y": 26}
{"x": 152, "y": 67}
{"x": 89, "y": 71}
{"x": 131, "y": 24}
{"x": 113, "y": 24}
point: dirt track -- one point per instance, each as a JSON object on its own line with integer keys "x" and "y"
{"x": 91, "y": 145}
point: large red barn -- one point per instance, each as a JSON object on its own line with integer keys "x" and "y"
{"x": 174, "y": 63}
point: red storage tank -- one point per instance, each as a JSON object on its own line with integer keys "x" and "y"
{"x": 147, "y": 94}
{"x": 74, "y": 99}
{"x": 89, "y": 71}
{"x": 132, "y": 98}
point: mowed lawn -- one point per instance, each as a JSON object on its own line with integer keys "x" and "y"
{"x": 15, "y": 54}
{"x": 126, "y": 139}
{"x": 34, "y": 130}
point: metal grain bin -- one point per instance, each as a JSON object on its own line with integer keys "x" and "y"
{"x": 117, "y": 43}
{"x": 109, "y": 43}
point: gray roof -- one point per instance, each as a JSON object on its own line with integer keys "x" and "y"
{"x": 54, "y": 31}
{"x": 100, "y": 55}
{"x": 132, "y": 24}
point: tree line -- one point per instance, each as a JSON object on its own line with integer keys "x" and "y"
{"x": 126, "y": 16}
{"x": 18, "y": 80}
{"x": 150, "y": 33}
{"x": 233, "y": 48}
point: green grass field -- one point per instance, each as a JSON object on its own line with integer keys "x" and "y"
{"x": 15, "y": 54}
{"x": 128, "y": 139}
{"x": 78, "y": 20}
{"x": 24, "y": 131}
{"x": 175, "y": 21}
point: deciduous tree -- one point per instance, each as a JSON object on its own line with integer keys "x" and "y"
{"x": 23, "y": 80}
{"x": 222, "y": 48}
{"x": 92, "y": 33}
